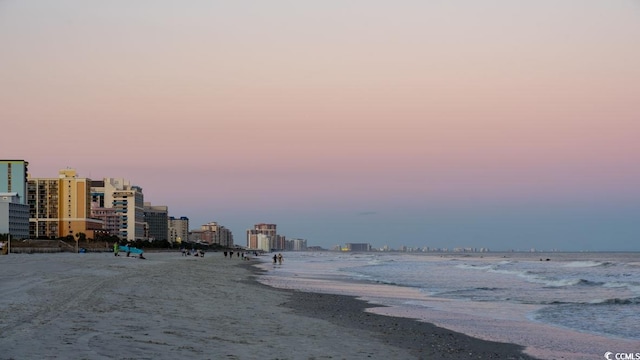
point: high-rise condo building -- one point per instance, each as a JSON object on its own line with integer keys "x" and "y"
{"x": 157, "y": 219}
{"x": 214, "y": 234}
{"x": 296, "y": 244}
{"x": 128, "y": 202}
{"x": 269, "y": 230}
{"x": 14, "y": 177}
{"x": 280, "y": 243}
{"x": 263, "y": 242}
{"x": 14, "y": 216}
{"x": 109, "y": 218}
{"x": 357, "y": 247}
{"x": 61, "y": 207}
{"x": 178, "y": 229}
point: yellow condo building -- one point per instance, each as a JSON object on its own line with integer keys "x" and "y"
{"x": 61, "y": 206}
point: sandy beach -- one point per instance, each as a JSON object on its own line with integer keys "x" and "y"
{"x": 97, "y": 306}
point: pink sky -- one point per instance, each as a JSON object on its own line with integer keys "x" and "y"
{"x": 328, "y": 104}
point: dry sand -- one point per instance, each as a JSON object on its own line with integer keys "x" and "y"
{"x": 97, "y": 306}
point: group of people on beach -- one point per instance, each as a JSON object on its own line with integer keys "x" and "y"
{"x": 116, "y": 250}
{"x": 231, "y": 254}
{"x": 194, "y": 252}
{"x": 277, "y": 258}
{"x": 245, "y": 255}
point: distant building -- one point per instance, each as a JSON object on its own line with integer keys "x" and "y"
{"x": 195, "y": 236}
{"x": 128, "y": 202}
{"x": 14, "y": 216}
{"x": 110, "y": 219}
{"x": 296, "y": 245}
{"x": 157, "y": 219}
{"x": 44, "y": 208}
{"x": 60, "y": 207}
{"x": 263, "y": 242}
{"x": 270, "y": 231}
{"x": 280, "y": 243}
{"x": 213, "y": 234}
{"x": 14, "y": 178}
{"x": 252, "y": 239}
{"x": 357, "y": 247}
{"x": 178, "y": 229}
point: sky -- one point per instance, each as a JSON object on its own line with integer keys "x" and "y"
{"x": 499, "y": 124}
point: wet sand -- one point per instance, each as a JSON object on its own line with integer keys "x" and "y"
{"x": 97, "y": 306}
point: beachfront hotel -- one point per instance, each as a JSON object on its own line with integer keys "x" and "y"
{"x": 157, "y": 219}
{"x": 128, "y": 202}
{"x": 14, "y": 211}
{"x": 269, "y": 233}
{"x": 69, "y": 205}
{"x": 296, "y": 244}
{"x": 109, "y": 217}
{"x": 178, "y": 229}
{"x": 14, "y": 216}
{"x": 61, "y": 206}
{"x": 13, "y": 178}
{"x": 357, "y": 247}
{"x": 213, "y": 234}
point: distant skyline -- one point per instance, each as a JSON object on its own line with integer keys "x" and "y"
{"x": 499, "y": 124}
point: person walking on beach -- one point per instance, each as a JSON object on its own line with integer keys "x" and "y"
{"x": 116, "y": 249}
{"x": 280, "y": 258}
{"x": 275, "y": 258}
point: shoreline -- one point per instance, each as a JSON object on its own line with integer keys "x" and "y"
{"x": 420, "y": 339}
{"x": 97, "y": 306}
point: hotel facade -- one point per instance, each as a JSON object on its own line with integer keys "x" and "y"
{"x": 14, "y": 216}
{"x": 157, "y": 219}
{"x": 14, "y": 211}
{"x": 60, "y": 207}
{"x": 178, "y": 229}
{"x": 213, "y": 234}
{"x": 270, "y": 233}
{"x": 128, "y": 202}
{"x": 13, "y": 178}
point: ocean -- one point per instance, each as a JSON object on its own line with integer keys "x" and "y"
{"x": 558, "y": 305}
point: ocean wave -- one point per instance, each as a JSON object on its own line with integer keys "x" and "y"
{"x": 612, "y": 301}
{"x": 471, "y": 290}
{"x": 506, "y": 262}
{"x": 376, "y": 280}
{"x": 474, "y": 267}
{"x": 385, "y": 282}
{"x": 537, "y": 278}
{"x": 521, "y": 273}
{"x": 617, "y": 301}
{"x": 618, "y": 284}
{"x": 569, "y": 282}
{"x": 479, "y": 294}
{"x": 549, "y": 282}
{"x": 583, "y": 264}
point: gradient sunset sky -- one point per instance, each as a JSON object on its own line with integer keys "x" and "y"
{"x": 500, "y": 124}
